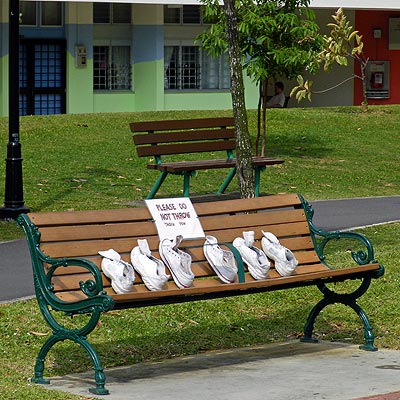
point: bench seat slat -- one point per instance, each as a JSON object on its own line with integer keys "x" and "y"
{"x": 308, "y": 264}
{"x": 178, "y": 166}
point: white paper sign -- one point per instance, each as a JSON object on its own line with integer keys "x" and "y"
{"x": 175, "y": 217}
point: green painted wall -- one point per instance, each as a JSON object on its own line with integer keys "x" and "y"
{"x": 79, "y": 87}
{"x": 204, "y": 100}
{"x": 114, "y": 102}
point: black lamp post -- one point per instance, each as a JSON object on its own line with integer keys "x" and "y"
{"x": 13, "y": 195}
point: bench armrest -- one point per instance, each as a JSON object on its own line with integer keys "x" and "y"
{"x": 361, "y": 257}
{"x": 95, "y": 296}
{"x": 92, "y": 288}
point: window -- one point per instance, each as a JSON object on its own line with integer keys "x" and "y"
{"x": 185, "y": 14}
{"x": 215, "y": 72}
{"x": 50, "y": 13}
{"x": 186, "y": 67}
{"x": 111, "y": 68}
{"x": 116, "y": 13}
{"x": 27, "y": 10}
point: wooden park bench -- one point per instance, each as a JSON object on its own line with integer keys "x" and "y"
{"x": 68, "y": 278}
{"x": 184, "y": 137}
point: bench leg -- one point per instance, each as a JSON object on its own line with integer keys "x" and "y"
{"x": 257, "y": 173}
{"x": 227, "y": 181}
{"x": 350, "y": 300}
{"x": 99, "y": 375}
{"x": 157, "y": 185}
{"x": 186, "y": 183}
{"x": 61, "y": 333}
{"x": 40, "y": 359}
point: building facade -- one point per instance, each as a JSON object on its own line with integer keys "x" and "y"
{"x": 83, "y": 57}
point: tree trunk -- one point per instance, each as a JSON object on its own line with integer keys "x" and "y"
{"x": 364, "y": 104}
{"x": 243, "y": 144}
{"x": 264, "y": 117}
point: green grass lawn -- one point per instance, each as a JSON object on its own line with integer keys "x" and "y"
{"x": 89, "y": 162}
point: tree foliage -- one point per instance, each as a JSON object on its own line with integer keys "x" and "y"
{"x": 276, "y": 38}
{"x": 343, "y": 43}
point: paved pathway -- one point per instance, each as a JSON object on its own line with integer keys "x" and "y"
{"x": 279, "y": 371}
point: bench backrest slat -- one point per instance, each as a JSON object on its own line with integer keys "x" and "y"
{"x": 153, "y": 126}
{"x": 254, "y": 219}
{"x": 184, "y": 136}
{"x": 66, "y": 218}
{"x": 185, "y": 148}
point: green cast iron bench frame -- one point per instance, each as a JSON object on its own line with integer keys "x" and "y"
{"x": 208, "y": 135}
{"x": 68, "y": 278}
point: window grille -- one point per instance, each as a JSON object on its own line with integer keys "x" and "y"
{"x": 111, "y": 68}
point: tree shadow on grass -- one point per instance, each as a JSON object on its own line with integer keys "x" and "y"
{"x": 67, "y": 185}
{"x": 297, "y": 146}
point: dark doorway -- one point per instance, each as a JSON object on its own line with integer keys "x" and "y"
{"x": 42, "y": 77}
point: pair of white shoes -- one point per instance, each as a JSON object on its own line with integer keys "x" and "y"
{"x": 150, "y": 268}
{"x": 222, "y": 261}
{"x": 285, "y": 261}
{"x": 257, "y": 260}
{"x": 121, "y": 273}
{"x": 178, "y": 262}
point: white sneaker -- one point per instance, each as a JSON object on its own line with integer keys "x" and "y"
{"x": 222, "y": 261}
{"x": 255, "y": 259}
{"x": 285, "y": 261}
{"x": 151, "y": 269}
{"x": 121, "y": 273}
{"x": 178, "y": 262}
